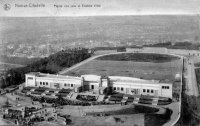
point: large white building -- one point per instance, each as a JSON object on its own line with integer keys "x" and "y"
{"x": 99, "y": 84}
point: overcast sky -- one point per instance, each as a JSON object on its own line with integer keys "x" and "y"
{"x": 108, "y": 7}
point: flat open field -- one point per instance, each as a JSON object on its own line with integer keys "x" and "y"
{"x": 164, "y": 71}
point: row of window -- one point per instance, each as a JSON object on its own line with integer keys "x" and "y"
{"x": 115, "y": 88}
{"x": 69, "y": 85}
{"x": 194, "y": 54}
{"x": 43, "y": 83}
{"x": 148, "y": 90}
{"x": 144, "y": 90}
{"x": 165, "y": 87}
{"x": 46, "y": 83}
{"x": 118, "y": 88}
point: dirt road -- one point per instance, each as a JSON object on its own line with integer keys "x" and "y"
{"x": 191, "y": 82}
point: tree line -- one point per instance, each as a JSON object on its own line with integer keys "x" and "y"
{"x": 52, "y": 64}
{"x": 176, "y": 45}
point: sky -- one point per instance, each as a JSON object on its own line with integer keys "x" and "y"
{"x": 105, "y": 7}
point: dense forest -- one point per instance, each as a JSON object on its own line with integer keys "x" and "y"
{"x": 177, "y": 45}
{"x": 53, "y": 64}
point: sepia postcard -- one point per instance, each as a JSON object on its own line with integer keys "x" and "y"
{"x": 100, "y": 62}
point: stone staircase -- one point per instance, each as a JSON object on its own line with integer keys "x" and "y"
{"x": 73, "y": 96}
{"x": 136, "y": 100}
{"x": 155, "y": 101}
{"x": 100, "y": 98}
{"x": 124, "y": 99}
{"x": 69, "y": 95}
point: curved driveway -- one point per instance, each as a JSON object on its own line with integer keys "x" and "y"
{"x": 192, "y": 88}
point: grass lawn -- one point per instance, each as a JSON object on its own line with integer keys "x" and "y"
{"x": 164, "y": 71}
{"x": 118, "y": 120}
{"x": 24, "y": 101}
{"x": 139, "y": 57}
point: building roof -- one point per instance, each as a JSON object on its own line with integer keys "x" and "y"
{"x": 131, "y": 79}
{"x": 91, "y": 77}
{"x": 38, "y": 74}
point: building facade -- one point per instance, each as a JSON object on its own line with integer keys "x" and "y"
{"x": 99, "y": 84}
{"x": 136, "y": 86}
{"x": 36, "y": 79}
